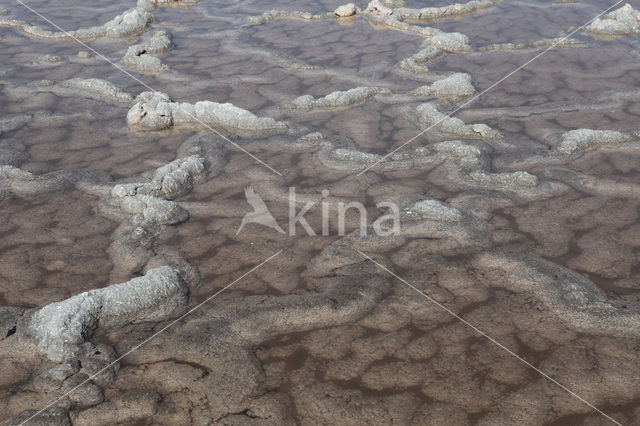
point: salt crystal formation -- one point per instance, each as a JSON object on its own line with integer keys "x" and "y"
{"x": 545, "y": 42}
{"x": 507, "y": 231}
{"x": 437, "y": 211}
{"x": 61, "y": 327}
{"x": 170, "y": 181}
{"x": 620, "y": 22}
{"x": 10, "y": 172}
{"x": 176, "y": 3}
{"x": 416, "y": 62}
{"x": 141, "y": 56}
{"x": 430, "y": 115}
{"x": 456, "y": 85}
{"x": 466, "y": 157}
{"x": 575, "y": 141}
{"x": 384, "y": 14}
{"x": 338, "y": 99}
{"x": 100, "y": 88}
{"x": 430, "y": 14}
{"x": 465, "y": 163}
{"x": 279, "y": 14}
{"x": 432, "y": 47}
{"x": 149, "y": 208}
{"x": 156, "y": 111}
{"x": 375, "y": 6}
{"x": 345, "y": 10}
{"x": 131, "y": 23}
{"x": 148, "y": 211}
{"x": 515, "y": 178}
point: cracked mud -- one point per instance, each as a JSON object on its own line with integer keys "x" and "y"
{"x": 121, "y": 200}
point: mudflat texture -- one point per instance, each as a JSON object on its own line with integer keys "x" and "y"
{"x": 137, "y": 138}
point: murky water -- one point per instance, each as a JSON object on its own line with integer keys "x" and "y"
{"x": 268, "y": 349}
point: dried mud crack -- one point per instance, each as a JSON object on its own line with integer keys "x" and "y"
{"x": 125, "y": 203}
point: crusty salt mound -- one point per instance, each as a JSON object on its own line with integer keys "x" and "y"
{"x": 455, "y": 85}
{"x": 437, "y": 43}
{"x": 375, "y": 6}
{"x": 131, "y": 23}
{"x": 338, "y": 99}
{"x": 175, "y": 3}
{"x": 464, "y": 164}
{"x": 61, "y": 327}
{"x": 518, "y": 178}
{"x": 466, "y": 157}
{"x": 436, "y": 211}
{"x": 571, "y": 297}
{"x": 416, "y": 63}
{"x": 345, "y": 10}
{"x": 141, "y": 56}
{"x": 156, "y": 111}
{"x": 323, "y": 335}
{"x": 149, "y": 207}
{"x": 148, "y": 211}
{"x": 10, "y": 172}
{"x": 384, "y": 20}
{"x": 94, "y": 88}
{"x": 429, "y": 114}
{"x": 449, "y": 42}
{"x": 383, "y": 14}
{"x": 170, "y": 181}
{"x": 545, "y": 42}
{"x": 575, "y": 141}
{"x": 624, "y": 21}
{"x": 98, "y": 88}
{"x": 430, "y": 14}
{"x": 278, "y": 14}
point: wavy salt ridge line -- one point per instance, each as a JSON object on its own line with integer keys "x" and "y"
{"x": 61, "y": 327}
{"x": 130, "y": 23}
{"x": 575, "y": 141}
{"x": 156, "y": 111}
{"x": 337, "y": 99}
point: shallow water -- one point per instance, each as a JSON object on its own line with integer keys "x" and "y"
{"x": 402, "y": 359}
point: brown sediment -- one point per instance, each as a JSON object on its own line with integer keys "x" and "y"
{"x": 512, "y": 233}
